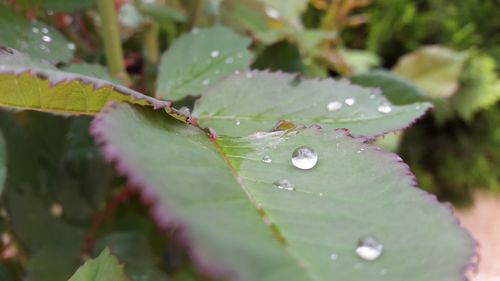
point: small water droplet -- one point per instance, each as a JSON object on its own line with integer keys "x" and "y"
{"x": 267, "y": 159}
{"x": 334, "y": 257}
{"x": 195, "y": 30}
{"x": 205, "y": 82}
{"x": 272, "y": 13}
{"x": 372, "y": 96}
{"x": 229, "y": 60}
{"x": 249, "y": 74}
{"x": 384, "y": 108}
{"x": 369, "y": 248}
{"x": 45, "y": 30}
{"x": 50, "y": 12}
{"x": 71, "y": 46}
{"x": 46, "y": 38}
{"x": 417, "y": 107}
{"x": 304, "y": 158}
{"x": 35, "y": 30}
{"x": 334, "y": 106}
{"x": 321, "y": 194}
{"x": 350, "y": 101}
{"x": 237, "y": 122}
{"x": 284, "y": 184}
{"x": 237, "y": 72}
{"x": 215, "y": 53}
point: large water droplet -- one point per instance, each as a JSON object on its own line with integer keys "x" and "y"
{"x": 46, "y": 38}
{"x": 215, "y": 53}
{"x": 272, "y": 13}
{"x": 267, "y": 159}
{"x": 350, "y": 101}
{"x": 369, "y": 248}
{"x": 284, "y": 184}
{"x": 304, "y": 158}
{"x": 334, "y": 106}
{"x": 384, "y": 108}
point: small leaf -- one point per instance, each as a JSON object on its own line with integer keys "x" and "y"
{"x": 36, "y": 85}
{"x": 255, "y": 101}
{"x": 241, "y": 225}
{"x": 435, "y": 69}
{"x": 396, "y": 89}
{"x": 103, "y": 268}
{"x": 37, "y": 39}
{"x": 199, "y": 59}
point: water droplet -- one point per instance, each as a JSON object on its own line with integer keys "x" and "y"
{"x": 215, "y": 53}
{"x": 35, "y": 30}
{"x": 46, "y": 38}
{"x": 249, "y": 74}
{"x": 205, "y": 82}
{"x": 369, "y": 248}
{"x": 45, "y": 30}
{"x": 417, "y": 107}
{"x": 195, "y": 30}
{"x": 384, "y": 108}
{"x": 284, "y": 184}
{"x": 229, "y": 60}
{"x": 71, "y": 46}
{"x": 272, "y": 13}
{"x": 56, "y": 209}
{"x": 321, "y": 194}
{"x": 50, "y": 12}
{"x": 350, "y": 101}
{"x": 237, "y": 72}
{"x": 372, "y": 96}
{"x": 334, "y": 257}
{"x": 237, "y": 122}
{"x": 267, "y": 159}
{"x": 334, "y": 106}
{"x": 304, "y": 158}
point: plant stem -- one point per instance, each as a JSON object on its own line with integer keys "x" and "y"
{"x": 151, "y": 43}
{"x": 110, "y": 34}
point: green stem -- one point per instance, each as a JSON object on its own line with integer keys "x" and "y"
{"x": 151, "y": 43}
{"x": 110, "y": 34}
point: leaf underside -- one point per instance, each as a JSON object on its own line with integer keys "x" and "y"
{"x": 243, "y": 227}
{"x": 34, "y": 85}
{"x": 254, "y": 101}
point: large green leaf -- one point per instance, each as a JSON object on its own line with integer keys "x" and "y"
{"x": 239, "y": 223}
{"x": 199, "y": 59}
{"x": 255, "y": 101}
{"x": 35, "y": 38}
{"x": 103, "y": 268}
{"x": 435, "y": 69}
{"x": 29, "y": 84}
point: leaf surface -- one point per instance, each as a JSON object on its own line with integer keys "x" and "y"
{"x": 103, "y": 268}
{"x": 35, "y": 38}
{"x": 199, "y": 59}
{"x": 36, "y": 85}
{"x": 255, "y": 101}
{"x": 242, "y": 226}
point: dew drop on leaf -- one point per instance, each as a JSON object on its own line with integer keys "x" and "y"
{"x": 333, "y": 257}
{"x": 384, "y": 108}
{"x": 272, "y": 13}
{"x": 237, "y": 122}
{"x": 45, "y": 30}
{"x": 215, "y": 53}
{"x": 369, "y": 249}
{"x": 71, "y": 46}
{"x": 304, "y": 158}
{"x": 205, "y": 82}
{"x": 284, "y": 184}
{"x": 350, "y": 101}
{"x": 46, "y": 38}
{"x": 229, "y": 60}
{"x": 334, "y": 106}
{"x": 267, "y": 159}
{"x": 35, "y": 30}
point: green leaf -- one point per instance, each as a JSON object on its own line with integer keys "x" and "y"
{"x": 3, "y": 162}
{"x": 255, "y": 101}
{"x": 162, "y": 13}
{"x": 480, "y": 87}
{"x": 396, "y": 89}
{"x": 36, "y": 85}
{"x": 103, "y": 268}
{"x": 199, "y": 59}
{"x": 37, "y": 39}
{"x": 239, "y": 223}
{"x": 435, "y": 69}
